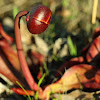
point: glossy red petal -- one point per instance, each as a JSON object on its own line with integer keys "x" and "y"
{"x": 40, "y": 13}
{"x": 38, "y": 19}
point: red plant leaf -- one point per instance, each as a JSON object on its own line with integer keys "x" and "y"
{"x": 85, "y": 49}
{"x": 41, "y": 59}
{"x": 92, "y": 85}
{"x": 97, "y": 76}
{"x": 10, "y": 54}
{"x": 22, "y": 92}
{"x": 9, "y": 63}
{"x": 36, "y": 64}
{"x": 94, "y": 42}
{"x": 72, "y": 78}
{"x": 39, "y": 74}
{"x": 39, "y": 56}
{"x": 96, "y": 33}
{"x": 4, "y": 34}
{"x": 94, "y": 50}
{"x": 68, "y": 64}
{"x": 5, "y": 69}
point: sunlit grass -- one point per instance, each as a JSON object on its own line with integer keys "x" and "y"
{"x": 29, "y": 98}
{"x": 72, "y": 47}
{"x": 39, "y": 83}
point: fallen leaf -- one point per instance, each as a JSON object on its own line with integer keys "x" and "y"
{"x": 75, "y": 95}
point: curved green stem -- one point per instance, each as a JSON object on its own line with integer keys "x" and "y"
{"x": 29, "y": 78}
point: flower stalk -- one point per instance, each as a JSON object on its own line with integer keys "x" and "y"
{"x": 28, "y": 76}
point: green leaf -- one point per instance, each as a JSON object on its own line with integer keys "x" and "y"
{"x": 41, "y": 80}
{"x": 15, "y": 11}
{"x": 65, "y": 3}
{"x": 46, "y": 69}
{"x": 72, "y": 47}
{"x": 39, "y": 83}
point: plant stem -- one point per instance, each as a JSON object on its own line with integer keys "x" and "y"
{"x": 29, "y": 78}
{"x": 4, "y": 34}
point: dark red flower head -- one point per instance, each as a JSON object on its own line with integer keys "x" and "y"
{"x": 38, "y": 19}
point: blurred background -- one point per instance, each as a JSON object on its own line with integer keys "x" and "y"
{"x": 71, "y": 25}
{"x": 69, "y": 17}
{"x": 70, "y": 29}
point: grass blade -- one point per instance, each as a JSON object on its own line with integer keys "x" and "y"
{"x": 29, "y": 98}
{"x": 72, "y": 47}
